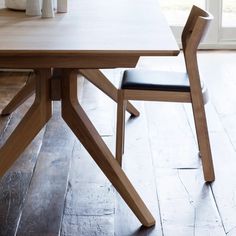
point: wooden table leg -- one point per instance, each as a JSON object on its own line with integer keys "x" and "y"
{"x": 97, "y": 78}
{"x": 34, "y": 120}
{"x": 76, "y": 118}
{"x": 20, "y": 97}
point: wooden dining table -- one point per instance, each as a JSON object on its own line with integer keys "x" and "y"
{"x": 93, "y": 35}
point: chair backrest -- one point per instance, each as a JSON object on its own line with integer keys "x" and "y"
{"x": 193, "y": 32}
{"x": 195, "y": 28}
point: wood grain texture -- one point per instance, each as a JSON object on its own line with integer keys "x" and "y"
{"x": 21, "y": 96}
{"x": 82, "y": 127}
{"x": 48, "y": 60}
{"x": 170, "y": 122}
{"x": 120, "y": 126}
{"x": 9, "y": 86}
{"x": 104, "y": 27}
{"x": 30, "y": 125}
{"x": 194, "y": 30}
{"x": 11, "y": 83}
{"x": 14, "y": 185}
{"x": 44, "y": 204}
{"x": 161, "y": 96}
{"x": 94, "y": 76}
{"x": 90, "y": 199}
{"x": 50, "y": 52}
{"x": 187, "y": 205}
{"x": 138, "y": 165}
{"x": 220, "y": 146}
{"x": 101, "y": 81}
{"x": 221, "y": 114}
{"x": 99, "y": 108}
{"x": 224, "y": 158}
{"x": 180, "y": 184}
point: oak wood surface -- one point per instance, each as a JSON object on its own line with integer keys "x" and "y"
{"x": 75, "y": 117}
{"x": 94, "y": 76}
{"x": 14, "y": 185}
{"x": 157, "y": 96}
{"x": 89, "y": 28}
{"x": 93, "y": 46}
{"x": 33, "y": 121}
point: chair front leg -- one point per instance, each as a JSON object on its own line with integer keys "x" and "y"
{"x": 120, "y": 126}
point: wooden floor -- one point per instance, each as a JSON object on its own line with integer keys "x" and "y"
{"x": 55, "y": 188}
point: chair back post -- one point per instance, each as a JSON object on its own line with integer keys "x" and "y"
{"x": 193, "y": 33}
{"x": 195, "y": 27}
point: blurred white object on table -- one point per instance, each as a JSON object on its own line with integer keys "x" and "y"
{"x": 16, "y": 4}
{"x": 62, "y": 6}
{"x": 47, "y": 9}
{"x": 33, "y": 7}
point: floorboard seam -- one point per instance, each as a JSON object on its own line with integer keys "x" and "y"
{"x": 68, "y": 186}
{"x": 23, "y": 202}
{"x": 154, "y": 172}
{"x": 225, "y": 130}
{"x": 5, "y": 128}
{"x": 218, "y": 210}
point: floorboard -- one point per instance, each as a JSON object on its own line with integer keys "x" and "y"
{"x": 44, "y": 204}
{"x": 220, "y": 113}
{"x": 187, "y": 206}
{"x": 171, "y": 137}
{"x": 138, "y": 165}
{"x": 90, "y": 203}
{"x": 15, "y": 184}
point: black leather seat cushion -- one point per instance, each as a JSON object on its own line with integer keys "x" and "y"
{"x": 155, "y": 80}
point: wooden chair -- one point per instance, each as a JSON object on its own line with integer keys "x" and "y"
{"x": 172, "y": 87}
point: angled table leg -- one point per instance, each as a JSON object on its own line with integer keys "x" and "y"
{"x": 75, "y": 117}
{"x": 20, "y": 97}
{"x": 97, "y": 78}
{"x": 33, "y": 121}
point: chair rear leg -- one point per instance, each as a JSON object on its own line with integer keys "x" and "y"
{"x": 203, "y": 139}
{"x": 120, "y": 126}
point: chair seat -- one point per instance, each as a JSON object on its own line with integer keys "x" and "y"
{"x": 155, "y": 80}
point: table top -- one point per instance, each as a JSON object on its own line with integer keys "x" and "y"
{"x": 130, "y": 27}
